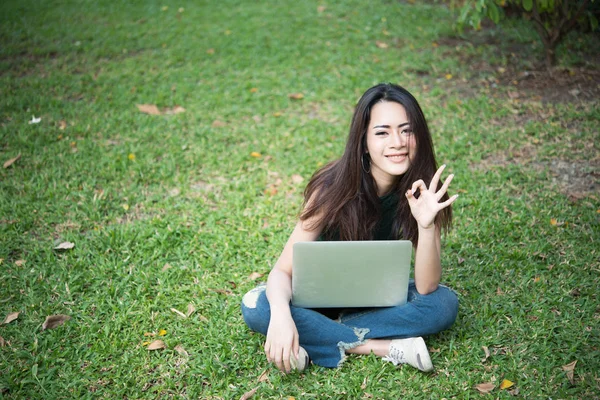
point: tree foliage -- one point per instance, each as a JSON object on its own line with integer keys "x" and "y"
{"x": 552, "y": 19}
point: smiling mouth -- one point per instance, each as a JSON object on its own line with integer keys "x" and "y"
{"x": 396, "y": 157}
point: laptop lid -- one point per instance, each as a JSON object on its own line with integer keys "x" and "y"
{"x": 351, "y": 273}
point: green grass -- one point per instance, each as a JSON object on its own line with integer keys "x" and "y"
{"x": 135, "y": 192}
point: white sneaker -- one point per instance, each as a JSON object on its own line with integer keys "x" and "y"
{"x": 302, "y": 362}
{"x": 412, "y": 351}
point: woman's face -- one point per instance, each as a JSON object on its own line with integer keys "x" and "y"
{"x": 390, "y": 143}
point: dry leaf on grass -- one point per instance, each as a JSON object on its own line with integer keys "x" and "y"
{"x": 255, "y": 154}
{"x": 297, "y": 179}
{"x": 2, "y": 342}
{"x": 381, "y": 45}
{"x": 176, "y": 311}
{"x": 157, "y": 345}
{"x": 190, "y": 310}
{"x": 65, "y": 246}
{"x": 19, "y": 263}
{"x": 10, "y": 318}
{"x": 12, "y": 161}
{"x": 249, "y": 394}
{"x": 35, "y": 120}
{"x": 506, "y": 384}
{"x": 296, "y": 96}
{"x": 487, "y": 353}
{"x": 485, "y": 387}
{"x": 569, "y": 369}
{"x": 264, "y": 377}
{"x": 181, "y": 350}
{"x": 254, "y": 276}
{"x": 150, "y": 109}
{"x": 53, "y": 321}
{"x": 162, "y": 332}
{"x": 218, "y": 124}
{"x": 174, "y": 110}
{"x": 166, "y": 267}
{"x": 320, "y": 9}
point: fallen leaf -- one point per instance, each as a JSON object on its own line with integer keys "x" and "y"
{"x": 364, "y": 384}
{"x": 190, "y": 310}
{"x": 297, "y": 179}
{"x": 553, "y": 221}
{"x": 156, "y": 345}
{"x": 148, "y": 109}
{"x": 53, "y": 321}
{"x": 174, "y": 110}
{"x": 166, "y": 267}
{"x": 19, "y": 263}
{"x": 448, "y": 76}
{"x": 249, "y": 394}
{"x": 2, "y": 342}
{"x": 254, "y": 276}
{"x": 62, "y": 125}
{"x": 296, "y": 96}
{"x": 264, "y": 377}
{"x": 10, "y": 318}
{"x": 218, "y": 124}
{"x": 210, "y": 51}
{"x": 485, "y": 387}
{"x": 35, "y": 120}
{"x": 253, "y": 90}
{"x": 381, "y": 45}
{"x": 181, "y": 350}
{"x": 176, "y": 311}
{"x": 506, "y": 384}
{"x": 125, "y": 207}
{"x": 569, "y": 369}
{"x": 320, "y": 9}
{"x": 203, "y": 318}
{"x": 12, "y": 161}
{"x": 162, "y": 332}
{"x": 487, "y": 353}
{"x": 65, "y": 246}
{"x": 255, "y": 154}
{"x": 147, "y": 334}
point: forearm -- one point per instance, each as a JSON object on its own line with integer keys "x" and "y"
{"x": 279, "y": 291}
{"x": 428, "y": 269}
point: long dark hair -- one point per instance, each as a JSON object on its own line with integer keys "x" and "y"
{"x": 343, "y": 198}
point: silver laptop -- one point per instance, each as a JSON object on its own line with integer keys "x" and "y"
{"x": 349, "y": 274}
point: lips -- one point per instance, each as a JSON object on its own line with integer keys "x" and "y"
{"x": 396, "y": 157}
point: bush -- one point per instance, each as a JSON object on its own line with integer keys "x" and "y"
{"x": 552, "y": 19}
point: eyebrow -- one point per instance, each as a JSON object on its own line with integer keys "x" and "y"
{"x": 387, "y": 126}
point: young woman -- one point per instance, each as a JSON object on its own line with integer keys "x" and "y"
{"x": 386, "y": 186}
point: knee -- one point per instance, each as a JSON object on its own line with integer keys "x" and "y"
{"x": 447, "y": 303}
{"x": 443, "y": 306}
{"x": 255, "y": 309}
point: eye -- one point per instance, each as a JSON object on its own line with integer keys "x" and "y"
{"x": 380, "y": 133}
{"x": 407, "y": 132}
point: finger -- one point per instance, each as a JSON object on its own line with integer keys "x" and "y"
{"x": 279, "y": 361}
{"x": 448, "y": 202}
{"x": 436, "y": 178}
{"x": 268, "y": 351}
{"x": 444, "y": 187}
{"x": 286, "y": 360}
{"x": 420, "y": 184}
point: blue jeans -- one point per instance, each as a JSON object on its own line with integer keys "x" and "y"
{"x": 326, "y": 340}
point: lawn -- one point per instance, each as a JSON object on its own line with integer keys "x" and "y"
{"x": 175, "y": 216}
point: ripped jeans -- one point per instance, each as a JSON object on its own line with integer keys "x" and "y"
{"x": 326, "y": 339}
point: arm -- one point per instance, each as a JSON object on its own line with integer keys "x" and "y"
{"x": 282, "y": 335}
{"x": 428, "y": 269}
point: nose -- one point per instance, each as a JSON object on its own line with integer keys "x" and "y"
{"x": 397, "y": 139}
